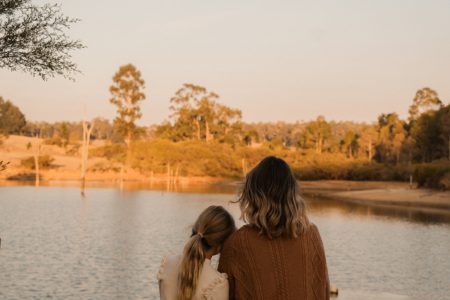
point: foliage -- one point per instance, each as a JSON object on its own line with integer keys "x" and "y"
{"x": 196, "y": 158}
{"x": 103, "y": 129}
{"x": 12, "y": 120}
{"x": 316, "y": 134}
{"x": 127, "y": 92}
{"x": 45, "y": 162}
{"x": 196, "y": 114}
{"x": 33, "y": 39}
{"x": 391, "y": 136}
{"x": 113, "y": 152}
{"x": 205, "y": 138}
{"x": 431, "y": 175}
{"x": 425, "y": 101}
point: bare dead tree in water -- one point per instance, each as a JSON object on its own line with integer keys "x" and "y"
{"x": 87, "y": 129}
{"x": 37, "y": 154}
{"x": 33, "y": 39}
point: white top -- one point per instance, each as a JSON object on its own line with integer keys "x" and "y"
{"x": 212, "y": 285}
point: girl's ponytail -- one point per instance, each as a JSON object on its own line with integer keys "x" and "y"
{"x": 191, "y": 266}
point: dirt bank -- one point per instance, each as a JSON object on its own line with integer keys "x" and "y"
{"x": 378, "y": 193}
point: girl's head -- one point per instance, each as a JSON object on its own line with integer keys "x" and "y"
{"x": 270, "y": 199}
{"x": 212, "y": 228}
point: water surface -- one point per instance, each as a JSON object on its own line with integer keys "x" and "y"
{"x": 108, "y": 245}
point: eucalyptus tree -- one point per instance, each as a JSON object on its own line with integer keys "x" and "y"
{"x": 426, "y": 100}
{"x": 127, "y": 91}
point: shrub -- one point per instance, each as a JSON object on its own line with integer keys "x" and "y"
{"x": 432, "y": 175}
{"x": 45, "y": 162}
{"x": 57, "y": 141}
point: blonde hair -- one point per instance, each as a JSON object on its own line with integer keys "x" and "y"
{"x": 212, "y": 228}
{"x": 270, "y": 200}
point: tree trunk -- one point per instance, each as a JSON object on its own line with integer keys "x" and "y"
{"x": 197, "y": 125}
{"x": 319, "y": 145}
{"x": 36, "y": 160}
{"x": 128, "y": 155}
{"x": 177, "y": 172}
{"x": 244, "y": 167}
{"x": 208, "y": 136}
{"x": 36, "y": 169}
{"x": 449, "y": 147}
{"x": 85, "y": 153}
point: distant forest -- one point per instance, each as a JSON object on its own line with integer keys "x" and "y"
{"x": 203, "y": 137}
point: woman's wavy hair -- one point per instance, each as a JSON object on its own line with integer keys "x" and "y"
{"x": 212, "y": 228}
{"x": 270, "y": 200}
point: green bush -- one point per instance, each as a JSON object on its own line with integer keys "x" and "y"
{"x": 45, "y": 162}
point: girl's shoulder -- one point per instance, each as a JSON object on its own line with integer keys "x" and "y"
{"x": 212, "y": 283}
{"x": 169, "y": 265}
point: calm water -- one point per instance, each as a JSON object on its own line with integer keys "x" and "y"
{"x": 109, "y": 245}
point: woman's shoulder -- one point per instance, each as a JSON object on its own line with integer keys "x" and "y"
{"x": 236, "y": 236}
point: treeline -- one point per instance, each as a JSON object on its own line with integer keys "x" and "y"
{"x": 204, "y": 137}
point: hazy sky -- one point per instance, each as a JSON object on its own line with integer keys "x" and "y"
{"x": 275, "y": 60}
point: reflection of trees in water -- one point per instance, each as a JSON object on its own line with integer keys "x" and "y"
{"x": 420, "y": 215}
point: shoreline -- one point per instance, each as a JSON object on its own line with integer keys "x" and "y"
{"x": 382, "y": 194}
{"x": 374, "y": 193}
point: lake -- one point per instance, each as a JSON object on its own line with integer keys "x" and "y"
{"x": 108, "y": 245}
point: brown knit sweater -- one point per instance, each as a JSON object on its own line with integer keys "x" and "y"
{"x": 281, "y": 268}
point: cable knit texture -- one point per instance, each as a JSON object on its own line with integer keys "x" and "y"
{"x": 281, "y": 268}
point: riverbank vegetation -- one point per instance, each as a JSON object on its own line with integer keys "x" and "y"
{"x": 204, "y": 137}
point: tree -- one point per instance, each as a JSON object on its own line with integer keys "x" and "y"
{"x": 103, "y": 129}
{"x": 367, "y": 140}
{"x": 425, "y": 101}
{"x": 87, "y": 130}
{"x": 444, "y": 120}
{"x": 12, "y": 120}
{"x": 197, "y": 115}
{"x": 33, "y": 39}
{"x": 64, "y": 133}
{"x": 190, "y": 107}
{"x": 127, "y": 92}
{"x": 350, "y": 144}
{"x": 317, "y": 132}
{"x": 392, "y": 133}
{"x": 37, "y": 154}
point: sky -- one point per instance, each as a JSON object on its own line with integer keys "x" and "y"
{"x": 275, "y": 60}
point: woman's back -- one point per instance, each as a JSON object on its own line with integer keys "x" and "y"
{"x": 279, "y": 268}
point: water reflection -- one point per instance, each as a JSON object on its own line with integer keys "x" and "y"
{"x": 181, "y": 186}
{"x": 420, "y": 215}
{"x": 316, "y": 204}
{"x": 109, "y": 245}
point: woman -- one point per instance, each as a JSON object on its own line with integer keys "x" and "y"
{"x": 191, "y": 276}
{"x": 278, "y": 254}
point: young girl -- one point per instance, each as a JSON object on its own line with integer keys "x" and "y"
{"x": 191, "y": 276}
